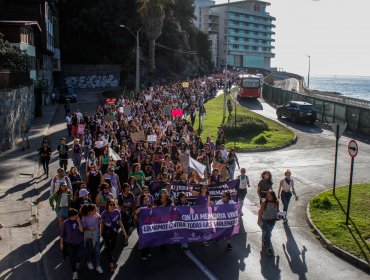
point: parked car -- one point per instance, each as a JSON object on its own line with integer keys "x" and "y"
{"x": 297, "y": 111}
{"x": 69, "y": 94}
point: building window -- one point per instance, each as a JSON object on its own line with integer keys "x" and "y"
{"x": 27, "y": 36}
{"x": 235, "y": 46}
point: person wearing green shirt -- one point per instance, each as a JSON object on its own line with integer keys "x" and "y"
{"x": 137, "y": 174}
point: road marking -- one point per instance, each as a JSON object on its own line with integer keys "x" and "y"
{"x": 201, "y": 266}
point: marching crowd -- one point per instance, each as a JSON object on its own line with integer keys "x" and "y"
{"x": 128, "y": 144}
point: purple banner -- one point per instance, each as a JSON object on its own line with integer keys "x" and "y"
{"x": 215, "y": 191}
{"x": 170, "y": 225}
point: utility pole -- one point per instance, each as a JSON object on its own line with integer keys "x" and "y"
{"x": 137, "y": 80}
{"x": 227, "y": 55}
{"x": 309, "y": 70}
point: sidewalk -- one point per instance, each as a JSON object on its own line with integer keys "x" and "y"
{"x": 18, "y": 176}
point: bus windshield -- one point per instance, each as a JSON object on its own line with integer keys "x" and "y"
{"x": 251, "y": 83}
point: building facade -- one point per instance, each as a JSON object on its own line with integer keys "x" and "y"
{"x": 240, "y": 33}
{"x": 32, "y": 25}
{"x": 198, "y": 4}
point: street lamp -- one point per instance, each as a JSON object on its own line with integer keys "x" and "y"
{"x": 227, "y": 55}
{"x": 137, "y": 83}
{"x": 309, "y": 69}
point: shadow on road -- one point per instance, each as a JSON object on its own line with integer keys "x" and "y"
{"x": 270, "y": 266}
{"x": 251, "y": 104}
{"x": 356, "y": 234}
{"x": 303, "y": 126}
{"x": 296, "y": 258}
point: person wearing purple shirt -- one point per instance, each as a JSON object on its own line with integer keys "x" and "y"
{"x": 71, "y": 240}
{"x": 90, "y": 222}
{"x": 111, "y": 222}
{"x": 203, "y": 199}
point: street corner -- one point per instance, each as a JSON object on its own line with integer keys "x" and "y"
{"x": 17, "y": 213}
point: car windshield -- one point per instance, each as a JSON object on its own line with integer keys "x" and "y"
{"x": 251, "y": 83}
{"x": 306, "y": 107}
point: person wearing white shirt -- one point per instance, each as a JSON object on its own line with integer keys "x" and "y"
{"x": 226, "y": 199}
{"x": 69, "y": 123}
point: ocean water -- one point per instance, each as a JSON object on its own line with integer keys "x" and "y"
{"x": 351, "y": 86}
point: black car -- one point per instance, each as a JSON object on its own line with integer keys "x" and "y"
{"x": 297, "y": 111}
{"x": 69, "y": 94}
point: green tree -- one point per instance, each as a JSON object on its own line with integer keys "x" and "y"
{"x": 11, "y": 58}
{"x": 152, "y": 14}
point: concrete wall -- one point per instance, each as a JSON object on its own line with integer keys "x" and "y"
{"x": 15, "y": 104}
{"x": 92, "y": 76}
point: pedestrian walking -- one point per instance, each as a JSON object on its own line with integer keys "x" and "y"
{"x": 61, "y": 202}
{"x": 45, "y": 154}
{"x": 63, "y": 154}
{"x": 92, "y": 234}
{"x": 264, "y": 185}
{"x": 76, "y": 153}
{"x": 110, "y": 225}
{"x": 226, "y": 199}
{"x": 232, "y": 161}
{"x": 24, "y": 128}
{"x": 267, "y": 215}
{"x": 58, "y": 179}
{"x": 286, "y": 190}
{"x": 229, "y": 107}
{"x": 71, "y": 241}
{"x": 243, "y": 183}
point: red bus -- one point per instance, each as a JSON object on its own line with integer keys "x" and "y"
{"x": 250, "y": 86}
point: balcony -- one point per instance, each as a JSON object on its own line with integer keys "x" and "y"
{"x": 249, "y": 28}
{"x": 251, "y": 36}
{"x": 258, "y": 21}
{"x": 251, "y": 44}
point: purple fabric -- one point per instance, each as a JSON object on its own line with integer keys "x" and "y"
{"x": 169, "y": 225}
{"x": 111, "y": 219}
{"x": 214, "y": 190}
{"x": 71, "y": 234}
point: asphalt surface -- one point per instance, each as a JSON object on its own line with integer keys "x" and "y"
{"x": 34, "y": 253}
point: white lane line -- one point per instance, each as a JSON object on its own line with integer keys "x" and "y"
{"x": 201, "y": 266}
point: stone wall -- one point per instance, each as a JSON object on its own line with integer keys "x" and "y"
{"x": 15, "y": 104}
{"x": 92, "y": 76}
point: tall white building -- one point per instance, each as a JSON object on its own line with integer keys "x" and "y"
{"x": 198, "y": 4}
{"x": 246, "y": 27}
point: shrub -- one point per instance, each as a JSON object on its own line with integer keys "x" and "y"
{"x": 259, "y": 139}
{"x": 245, "y": 125}
{"x": 319, "y": 203}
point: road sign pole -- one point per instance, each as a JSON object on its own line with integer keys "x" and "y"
{"x": 350, "y": 190}
{"x": 336, "y": 157}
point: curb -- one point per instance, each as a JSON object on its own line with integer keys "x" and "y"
{"x": 334, "y": 249}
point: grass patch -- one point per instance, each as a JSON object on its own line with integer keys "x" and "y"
{"x": 328, "y": 214}
{"x": 253, "y": 131}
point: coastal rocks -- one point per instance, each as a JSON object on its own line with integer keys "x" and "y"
{"x": 15, "y": 104}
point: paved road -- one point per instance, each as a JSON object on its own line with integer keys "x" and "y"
{"x": 298, "y": 255}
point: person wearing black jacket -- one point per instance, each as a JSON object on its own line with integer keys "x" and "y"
{"x": 45, "y": 153}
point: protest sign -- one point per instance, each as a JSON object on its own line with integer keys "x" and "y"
{"x": 80, "y": 129}
{"x": 148, "y": 97}
{"x": 152, "y": 138}
{"x": 184, "y": 160}
{"x": 109, "y": 118}
{"x": 167, "y": 110}
{"x": 176, "y": 113}
{"x": 171, "y": 225}
{"x": 185, "y": 84}
{"x": 120, "y": 109}
{"x": 215, "y": 191}
{"x": 127, "y": 110}
{"x": 137, "y": 136}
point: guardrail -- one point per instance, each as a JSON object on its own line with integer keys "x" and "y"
{"x": 331, "y": 108}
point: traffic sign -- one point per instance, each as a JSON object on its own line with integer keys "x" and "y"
{"x": 338, "y": 129}
{"x": 352, "y": 148}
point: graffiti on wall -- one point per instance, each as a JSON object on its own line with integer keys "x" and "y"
{"x": 92, "y": 81}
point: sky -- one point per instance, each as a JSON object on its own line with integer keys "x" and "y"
{"x": 335, "y": 33}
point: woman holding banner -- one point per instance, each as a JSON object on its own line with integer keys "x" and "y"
{"x": 144, "y": 202}
{"x": 163, "y": 199}
{"x": 226, "y": 199}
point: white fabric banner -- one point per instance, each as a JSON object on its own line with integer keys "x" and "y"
{"x": 197, "y": 166}
{"x": 114, "y": 155}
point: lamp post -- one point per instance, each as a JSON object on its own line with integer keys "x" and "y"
{"x": 137, "y": 82}
{"x": 227, "y": 54}
{"x": 309, "y": 70}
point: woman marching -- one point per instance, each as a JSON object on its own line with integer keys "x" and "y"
{"x": 45, "y": 153}
{"x": 264, "y": 185}
{"x": 111, "y": 223}
{"x": 286, "y": 190}
{"x": 267, "y": 218}
{"x": 63, "y": 200}
{"x": 226, "y": 199}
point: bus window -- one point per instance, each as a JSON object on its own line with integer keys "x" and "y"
{"x": 251, "y": 83}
